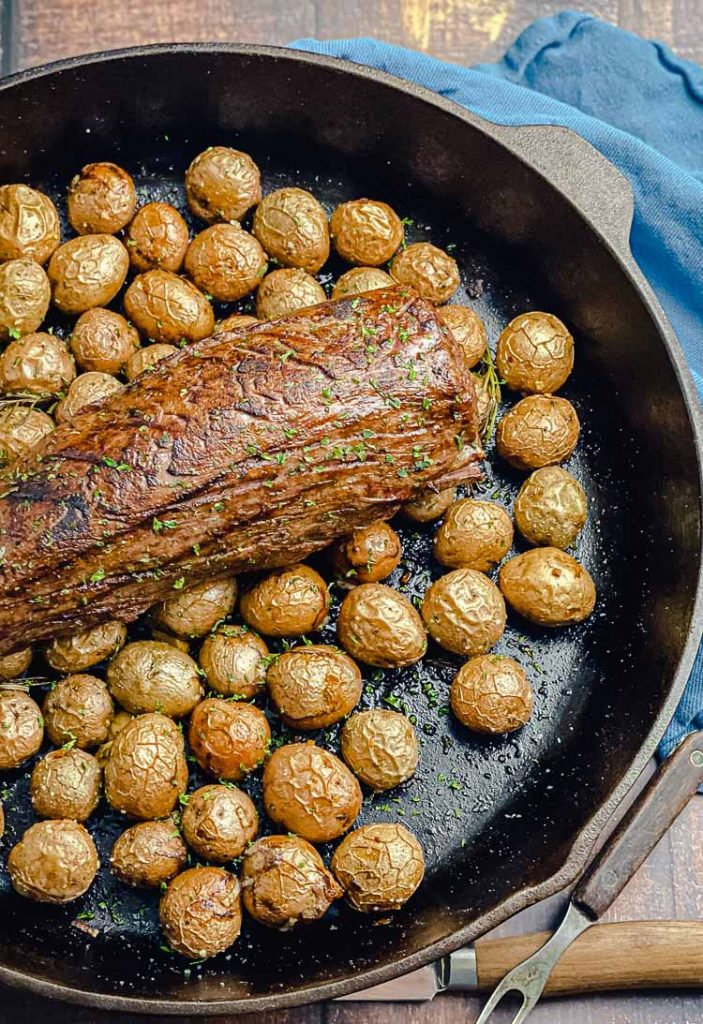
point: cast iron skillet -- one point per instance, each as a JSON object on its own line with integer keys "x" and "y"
{"x": 539, "y": 220}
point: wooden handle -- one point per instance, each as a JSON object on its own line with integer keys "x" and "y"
{"x": 639, "y": 954}
{"x": 651, "y": 815}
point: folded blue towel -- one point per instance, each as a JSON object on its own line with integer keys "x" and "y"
{"x": 642, "y": 107}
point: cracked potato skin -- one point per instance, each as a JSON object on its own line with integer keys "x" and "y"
{"x": 234, "y": 661}
{"x": 429, "y": 505}
{"x": 101, "y": 199}
{"x": 474, "y": 535}
{"x": 380, "y": 627}
{"x": 157, "y": 237}
{"x": 194, "y": 611}
{"x": 78, "y": 709}
{"x": 234, "y": 322}
{"x": 147, "y": 358}
{"x": 148, "y": 854}
{"x": 367, "y": 555}
{"x": 103, "y": 341}
{"x": 314, "y": 686}
{"x": 286, "y": 291}
{"x": 228, "y": 739}
{"x": 539, "y": 431}
{"x": 222, "y": 184}
{"x": 25, "y": 294}
{"x": 380, "y": 747}
{"x": 85, "y": 390}
{"x": 292, "y": 227}
{"x": 65, "y": 784}
{"x": 491, "y": 694}
{"x": 167, "y": 308}
{"x": 366, "y": 232}
{"x": 83, "y": 650}
{"x": 29, "y": 224}
{"x": 430, "y": 271}
{"x": 285, "y": 882}
{"x": 535, "y": 353}
{"x": 147, "y": 676}
{"x": 359, "y": 280}
{"x": 219, "y": 822}
{"x": 201, "y": 912}
{"x": 15, "y": 663}
{"x": 146, "y": 770}
{"x": 464, "y": 612}
{"x": 225, "y": 261}
{"x": 55, "y": 861}
{"x": 548, "y": 587}
{"x": 469, "y": 331}
{"x": 287, "y": 602}
{"x": 87, "y": 271}
{"x": 36, "y": 364}
{"x": 551, "y": 508}
{"x": 310, "y": 792}
{"x": 21, "y": 428}
{"x": 21, "y": 727}
{"x": 379, "y": 867}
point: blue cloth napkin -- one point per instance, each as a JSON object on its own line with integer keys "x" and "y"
{"x": 642, "y": 107}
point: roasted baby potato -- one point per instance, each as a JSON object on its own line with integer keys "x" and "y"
{"x": 149, "y": 854}
{"x": 146, "y": 769}
{"x": 167, "y": 308}
{"x": 85, "y": 390}
{"x": 429, "y": 505}
{"x": 359, "y": 280}
{"x": 14, "y": 664}
{"x": 283, "y": 292}
{"x": 83, "y": 650}
{"x": 103, "y": 341}
{"x": 78, "y": 710}
{"x": 430, "y": 271}
{"x": 234, "y": 322}
{"x": 535, "y": 353}
{"x": 491, "y": 694}
{"x": 21, "y": 727}
{"x": 25, "y": 294}
{"x": 367, "y": 555}
{"x": 288, "y": 602}
{"x": 548, "y": 587}
{"x": 219, "y": 822}
{"x": 222, "y": 184}
{"x": 65, "y": 784}
{"x": 234, "y": 660}
{"x": 474, "y": 535}
{"x": 21, "y": 428}
{"x": 101, "y": 199}
{"x": 157, "y": 238}
{"x": 285, "y": 881}
{"x": 29, "y": 224}
{"x": 228, "y": 739}
{"x": 54, "y": 862}
{"x": 87, "y": 271}
{"x": 366, "y": 232}
{"x": 226, "y": 262}
{"x": 551, "y": 508}
{"x": 314, "y": 686}
{"x": 194, "y": 611}
{"x": 380, "y": 747}
{"x": 379, "y": 626}
{"x": 539, "y": 431}
{"x": 464, "y": 612}
{"x": 37, "y": 364}
{"x": 148, "y": 676}
{"x": 379, "y": 867}
{"x": 292, "y": 227}
{"x": 201, "y": 912}
{"x": 147, "y": 358}
{"x": 468, "y": 329}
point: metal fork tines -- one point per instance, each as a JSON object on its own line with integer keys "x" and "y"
{"x": 529, "y": 978}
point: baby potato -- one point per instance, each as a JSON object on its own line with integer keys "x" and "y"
{"x": 87, "y": 389}
{"x": 380, "y": 747}
{"x": 194, "y": 611}
{"x": 37, "y": 364}
{"x": 25, "y": 294}
{"x": 283, "y": 292}
{"x": 474, "y": 535}
{"x": 103, "y": 341}
{"x": 379, "y": 867}
{"x": 87, "y": 271}
{"x": 380, "y": 627}
{"x": 491, "y": 694}
{"x": 468, "y": 330}
{"x": 150, "y": 676}
{"x": 551, "y": 508}
{"x": 168, "y": 308}
{"x": 310, "y": 792}
{"x": 359, "y": 280}
{"x": 548, "y": 587}
{"x": 157, "y": 238}
{"x": 145, "y": 769}
{"x": 314, "y": 686}
{"x": 147, "y": 358}
{"x": 162, "y": 637}
{"x": 285, "y": 881}
{"x": 54, "y": 862}
{"x": 234, "y": 322}
{"x": 79, "y": 710}
{"x": 429, "y": 505}
{"x": 21, "y": 727}
{"x": 288, "y": 602}
{"x": 234, "y": 660}
{"x": 539, "y": 431}
{"x": 219, "y": 822}
{"x": 366, "y": 232}
{"x": 367, "y": 555}
{"x": 149, "y": 854}
{"x": 15, "y": 663}
{"x": 430, "y": 271}
{"x": 228, "y": 739}
{"x": 292, "y": 227}
{"x": 29, "y": 224}
{"x": 225, "y": 261}
{"x": 65, "y": 784}
{"x": 101, "y": 199}
{"x": 535, "y": 353}
{"x": 222, "y": 184}
{"x": 201, "y": 912}
{"x": 83, "y": 650}
{"x": 464, "y": 612}
{"x": 21, "y": 428}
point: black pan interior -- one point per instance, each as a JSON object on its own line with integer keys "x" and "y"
{"x": 495, "y": 816}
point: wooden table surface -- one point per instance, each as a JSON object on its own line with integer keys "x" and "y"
{"x": 670, "y": 885}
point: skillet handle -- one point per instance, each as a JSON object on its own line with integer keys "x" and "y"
{"x": 649, "y": 818}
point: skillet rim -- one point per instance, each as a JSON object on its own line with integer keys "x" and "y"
{"x": 583, "y": 843}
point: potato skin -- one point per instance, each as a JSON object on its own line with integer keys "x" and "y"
{"x": 380, "y": 747}
{"x": 103, "y": 341}
{"x": 286, "y": 291}
{"x": 464, "y": 612}
{"x": 219, "y": 822}
{"x": 234, "y": 661}
{"x": 539, "y": 431}
{"x": 287, "y": 602}
{"x": 167, "y": 308}
{"x": 201, "y": 912}
{"x": 535, "y": 353}
{"x": 29, "y": 224}
{"x": 148, "y": 676}
{"x": 146, "y": 768}
{"x": 79, "y": 709}
{"x": 65, "y": 784}
{"x": 491, "y": 694}
{"x": 15, "y": 663}
{"x": 430, "y": 271}
{"x": 548, "y": 587}
{"x": 314, "y": 686}
{"x": 359, "y": 280}
{"x": 366, "y": 232}
{"x": 157, "y": 238}
{"x": 21, "y": 428}
{"x": 429, "y": 505}
{"x": 285, "y": 881}
{"x": 292, "y": 227}
{"x": 234, "y": 322}
{"x": 222, "y": 184}
{"x": 101, "y": 199}
{"x": 87, "y": 271}
{"x": 468, "y": 329}
{"x": 551, "y": 508}
{"x": 367, "y": 555}
{"x": 226, "y": 262}
{"x": 474, "y": 535}
{"x": 229, "y": 740}
{"x": 310, "y": 792}
{"x": 379, "y": 866}
{"x": 85, "y": 390}
{"x": 25, "y": 294}
{"x": 194, "y": 611}
{"x": 148, "y": 854}
{"x": 146, "y": 358}
{"x": 37, "y": 364}
{"x": 55, "y": 861}
{"x": 21, "y": 727}
{"x": 83, "y": 650}
{"x": 380, "y": 627}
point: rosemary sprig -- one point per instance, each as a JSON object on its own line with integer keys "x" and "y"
{"x": 492, "y": 381}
